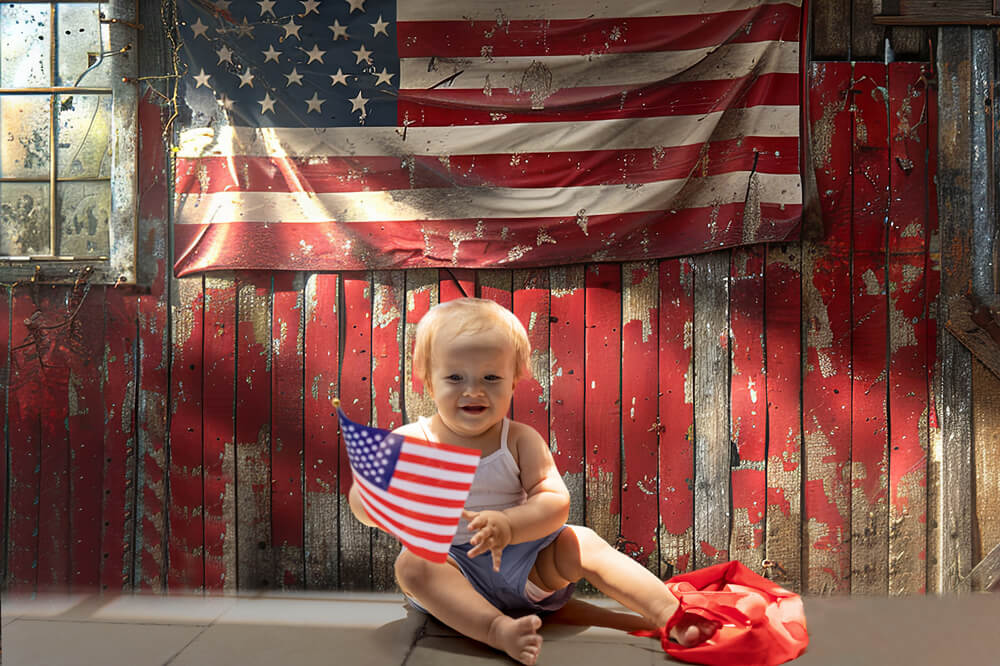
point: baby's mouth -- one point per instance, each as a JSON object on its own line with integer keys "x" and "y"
{"x": 474, "y": 409}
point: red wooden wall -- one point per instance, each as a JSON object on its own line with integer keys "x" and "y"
{"x": 772, "y": 404}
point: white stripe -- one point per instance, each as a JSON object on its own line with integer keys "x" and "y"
{"x": 437, "y": 547}
{"x": 729, "y": 61}
{"x": 421, "y": 525}
{"x": 537, "y": 137}
{"x": 480, "y": 202}
{"x": 423, "y": 489}
{"x": 444, "y": 455}
{"x": 412, "y": 505}
{"x": 428, "y": 470}
{"x": 515, "y": 10}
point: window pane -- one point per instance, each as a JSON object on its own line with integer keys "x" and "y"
{"x": 83, "y": 136}
{"x": 80, "y": 39}
{"x": 24, "y": 218}
{"x": 84, "y": 210}
{"x": 24, "y": 136}
{"x": 24, "y": 45}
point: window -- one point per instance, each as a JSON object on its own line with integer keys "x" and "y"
{"x": 68, "y": 140}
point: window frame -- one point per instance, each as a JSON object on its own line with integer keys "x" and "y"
{"x": 119, "y": 267}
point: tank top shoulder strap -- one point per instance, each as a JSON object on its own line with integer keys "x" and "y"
{"x": 503, "y": 434}
{"x": 424, "y": 423}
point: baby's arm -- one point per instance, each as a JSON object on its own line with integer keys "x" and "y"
{"x": 544, "y": 511}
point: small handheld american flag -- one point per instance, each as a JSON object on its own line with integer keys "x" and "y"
{"x": 411, "y": 488}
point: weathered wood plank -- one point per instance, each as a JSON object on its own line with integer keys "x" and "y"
{"x": 955, "y": 204}
{"x": 640, "y": 440}
{"x": 85, "y": 420}
{"x": 831, "y": 30}
{"x": 712, "y": 448}
{"x": 118, "y": 375}
{"x": 287, "y": 437}
{"x": 867, "y": 38}
{"x": 908, "y": 390}
{"x": 602, "y": 399}
{"x": 57, "y": 351}
{"x": 154, "y": 358}
{"x": 748, "y": 412}
{"x": 387, "y": 371}
{"x": 322, "y": 457}
{"x": 456, "y": 283}
{"x": 219, "y": 367}
{"x": 783, "y": 341}
{"x": 186, "y": 493}
{"x": 497, "y": 286}
{"x": 566, "y": 381}
{"x": 356, "y": 397}
{"x": 869, "y": 335}
{"x": 25, "y": 442}
{"x": 676, "y": 416}
{"x": 253, "y": 431}
{"x": 5, "y": 375}
{"x": 986, "y": 461}
{"x": 826, "y": 384}
{"x": 421, "y": 295}
{"x": 530, "y": 300}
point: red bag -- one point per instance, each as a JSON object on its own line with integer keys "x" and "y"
{"x": 759, "y": 622}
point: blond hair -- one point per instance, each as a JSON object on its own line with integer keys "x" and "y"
{"x": 469, "y": 315}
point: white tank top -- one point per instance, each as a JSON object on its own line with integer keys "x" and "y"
{"x": 496, "y": 485}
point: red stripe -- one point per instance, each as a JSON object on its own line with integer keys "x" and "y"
{"x": 638, "y": 235}
{"x": 446, "y": 108}
{"x": 397, "y": 527}
{"x": 428, "y": 499}
{"x": 441, "y": 446}
{"x": 410, "y": 513}
{"x": 443, "y": 39}
{"x": 405, "y": 456}
{"x": 431, "y": 555}
{"x": 430, "y": 481}
{"x": 570, "y": 169}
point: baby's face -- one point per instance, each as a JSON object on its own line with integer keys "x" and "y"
{"x": 472, "y": 380}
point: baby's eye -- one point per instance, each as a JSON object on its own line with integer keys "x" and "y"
{"x": 453, "y": 378}
{"x": 493, "y": 378}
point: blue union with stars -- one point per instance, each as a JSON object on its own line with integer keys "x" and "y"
{"x": 373, "y": 452}
{"x": 291, "y": 63}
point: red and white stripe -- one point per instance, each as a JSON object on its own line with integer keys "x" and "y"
{"x": 424, "y": 501}
{"x": 571, "y": 127}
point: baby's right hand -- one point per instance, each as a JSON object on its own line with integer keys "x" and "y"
{"x": 493, "y": 533}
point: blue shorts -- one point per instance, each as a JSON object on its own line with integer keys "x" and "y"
{"x": 505, "y": 588}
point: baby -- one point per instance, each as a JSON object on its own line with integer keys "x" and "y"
{"x": 513, "y": 557}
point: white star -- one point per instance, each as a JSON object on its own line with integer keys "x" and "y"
{"x": 358, "y": 104}
{"x": 266, "y": 104}
{"x": 310, "y": 6}
{"x": 293, "y": 77}
{"x": 202, "y": 79}
{"x": 199, "y": 29}
{"x": 266, "y": 7}
{"x": 225, "y": 55}
{"x": 243, "y": 29}
{"x": 356, "y": 4}
{"x": 379, "y": 26}
{"x": 226, "y": 103}
{"x": 271, "y": 54}
{"x": 339, "y": 77}
{"x": 314, "y": 104}
{"x": 338, "y": 30}
{"x": 246, "y": 79}
{"x": 384, "y": 77}
{"x": 222, "y": 5}
{"x": 315, "y": 54}
{"x": 291, "y": 28}
{"x": 363, "y": 55}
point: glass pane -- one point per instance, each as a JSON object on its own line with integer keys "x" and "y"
{"x": 24, "y": 46}
{"x": 24, "y": 219}
{"x": 84, "y": 210}
{"x": 80, "y": 39}
{"x": 24, "y": 136}
{"x": 83, "y": 136}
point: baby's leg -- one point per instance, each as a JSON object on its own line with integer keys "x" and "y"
{"x": 578, "y": 552}
{"x": 448, "y": 596}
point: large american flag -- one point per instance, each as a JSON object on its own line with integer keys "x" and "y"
{"x": 359, "y": 134}
{"x": 410, "y": 487}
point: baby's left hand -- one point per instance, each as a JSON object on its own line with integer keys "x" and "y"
{"x": 493, "y": 533}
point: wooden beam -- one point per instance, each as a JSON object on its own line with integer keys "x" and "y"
{"x": 985, "y": 575}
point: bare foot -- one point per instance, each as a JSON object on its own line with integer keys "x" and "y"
{"x": 518, "y": 638}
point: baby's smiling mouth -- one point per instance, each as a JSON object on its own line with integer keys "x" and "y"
{"x": 475, "y": 409}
